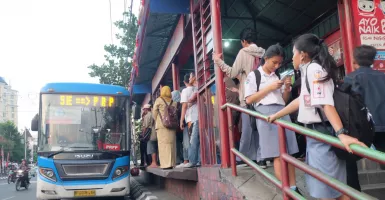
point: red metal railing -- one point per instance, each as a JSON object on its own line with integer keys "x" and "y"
{"x": 287, "y": 159}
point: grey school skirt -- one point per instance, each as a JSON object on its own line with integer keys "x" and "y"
{"x": 268, "y": 133}
{"x": 320, "y": 156}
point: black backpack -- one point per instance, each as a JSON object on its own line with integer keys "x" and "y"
{"x": 355, "y": 118}
{"x": 257, "y": 73}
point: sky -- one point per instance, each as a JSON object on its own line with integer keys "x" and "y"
{"x": 45, "y": 41}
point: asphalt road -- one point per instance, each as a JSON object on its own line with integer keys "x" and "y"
{"x": 8, "y": 191}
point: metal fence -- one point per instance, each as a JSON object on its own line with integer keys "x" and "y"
{"x": 286, "y": 159}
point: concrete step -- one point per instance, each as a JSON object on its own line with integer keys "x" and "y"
{"x": 365, "y": 165}
{"x": 375, "y": 190}
{"x": 370, "y": 177}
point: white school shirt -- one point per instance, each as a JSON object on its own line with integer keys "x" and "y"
{"x": 274, "y": 97}
{"x": 192, "y": 111}
{"x": 321, "y": 94}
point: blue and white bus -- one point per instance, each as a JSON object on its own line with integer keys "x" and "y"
{"x": 83, "y": 147}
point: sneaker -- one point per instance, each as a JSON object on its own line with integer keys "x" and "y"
{"x": 181, "y": 165}
{"x": 188, "y": 165}
{"x": 262, "y": 164}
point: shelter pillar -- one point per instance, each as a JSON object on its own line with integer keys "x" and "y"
{"x": 175, "y": 77}
{"x": 220, "y": 86}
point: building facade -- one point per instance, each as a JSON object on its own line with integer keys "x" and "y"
{"x": 8, "y": 103}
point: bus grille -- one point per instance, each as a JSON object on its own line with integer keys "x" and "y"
{"x": 85, "y": 170}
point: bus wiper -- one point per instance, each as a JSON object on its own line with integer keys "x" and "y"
{"x": 64, "y": 149}
{"x": 55, "y": 153}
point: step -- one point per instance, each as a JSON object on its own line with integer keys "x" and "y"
{"x": 365, "y": 164}
{"x": 375, "y": 190}
{"x": 370, "y": 177}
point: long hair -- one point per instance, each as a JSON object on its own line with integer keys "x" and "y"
{"x": 318, "y": 52}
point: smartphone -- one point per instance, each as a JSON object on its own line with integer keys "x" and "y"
{"x": 284, "y": 78}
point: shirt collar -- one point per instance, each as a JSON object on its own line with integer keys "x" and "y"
{"x": 264, "y": 73}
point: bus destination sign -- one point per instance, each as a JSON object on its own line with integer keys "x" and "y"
{"x": 87, "y": 100}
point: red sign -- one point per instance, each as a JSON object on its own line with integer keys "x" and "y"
{"x": 334, "y": 44}
{"x": 369, "y": 27}
{"x": 112, "y": 147}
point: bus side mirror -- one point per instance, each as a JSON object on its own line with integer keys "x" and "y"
{"x": 35, "y": 123}
{"x": 136, "y": 111}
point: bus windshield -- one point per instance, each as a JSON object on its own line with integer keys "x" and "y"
{"x": 82, "y": 122}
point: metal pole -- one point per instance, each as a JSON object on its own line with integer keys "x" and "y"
{"x": 284, "y": 167}
{"x": 128, "y": 125}
{"x": 217, "y": 39}
{"x": 231, "y": 136}
{"x": 175, "y": 76}
{"x": 25, "y": 145}
{"x": 347, "y": 33}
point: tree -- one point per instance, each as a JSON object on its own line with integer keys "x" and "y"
{"x": 116, "y": 69}
{"x": 12, "y": 141}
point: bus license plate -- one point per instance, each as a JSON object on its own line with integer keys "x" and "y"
{"x": 84, "y": 193}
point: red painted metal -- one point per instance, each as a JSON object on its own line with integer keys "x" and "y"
{"x": 175, "y": 77}
{"x": 201, "y": 30}
{"x": 220, "y": 86}
{"x": 345, "y": 16}
{"x": 287, "y": 159}
{"x": 284, "y": 167}
{"x": 201, "y": 107}
{"x": 169, "y": 55}
{"x": 231, "y": 140}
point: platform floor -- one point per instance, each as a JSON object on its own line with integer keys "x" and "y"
{"x": 190, "y": 174}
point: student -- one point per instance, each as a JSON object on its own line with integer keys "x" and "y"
{"x": 269, "y": 99}
{"x": 370, "y": 85}
{"x": 311, "y": 56}
{"x": 243, "y": 65}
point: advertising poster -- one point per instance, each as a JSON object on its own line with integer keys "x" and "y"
{"x": 369, "y": 27}
{"x": 334, "y": 44}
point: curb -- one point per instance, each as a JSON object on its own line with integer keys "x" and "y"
{"x": 138, "y": 192}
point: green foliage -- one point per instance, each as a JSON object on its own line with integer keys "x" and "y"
{"x": 116, "y": 69}
{"x": 11, "y": 141}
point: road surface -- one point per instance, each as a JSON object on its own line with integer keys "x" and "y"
{"x": 8, "y": 191}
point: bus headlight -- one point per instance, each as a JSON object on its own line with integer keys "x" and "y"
{"x": 48, "y": 174}
{"x": 120, "y": 171}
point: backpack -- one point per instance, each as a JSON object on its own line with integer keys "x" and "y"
{"x": 170, "y": 116}
{"x": 257, "y": 73}
{"x": 355, "y": 118}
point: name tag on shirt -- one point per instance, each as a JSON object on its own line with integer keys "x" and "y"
{"x": 318, "y": 90}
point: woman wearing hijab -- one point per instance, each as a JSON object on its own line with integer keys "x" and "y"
{"x": 166, "y": 137}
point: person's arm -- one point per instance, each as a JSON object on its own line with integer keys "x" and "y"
{"x": 258, "y": 96}
{"x": 335, "y": 120}
{"x": 182, "y": 116}
{"x": 193, "y": 98}
{"x": 237, "y": 67}
{"x": 287, "y": 90}
{"x": 292, "y": 107}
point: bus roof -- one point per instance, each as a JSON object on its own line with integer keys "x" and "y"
{"x": 85, "y": 88}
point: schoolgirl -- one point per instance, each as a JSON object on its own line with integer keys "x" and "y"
{"x": 270, "y": 98}
{"x": 314, "y": 61}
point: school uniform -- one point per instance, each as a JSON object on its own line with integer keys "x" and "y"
{"x": 270, "y": 104}
{"x": 319, "y": 155}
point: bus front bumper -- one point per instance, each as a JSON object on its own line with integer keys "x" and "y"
{"x": 47, "y": 190}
